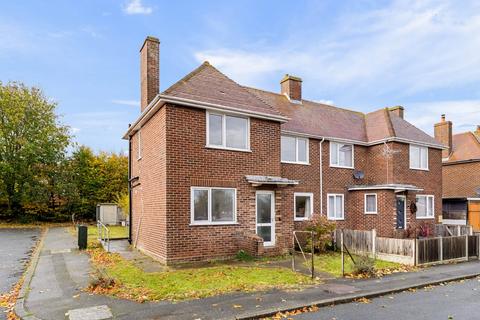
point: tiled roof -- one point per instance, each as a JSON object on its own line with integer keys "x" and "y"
{"x": 466, "y": 146}
{"x": 207, "y": 84}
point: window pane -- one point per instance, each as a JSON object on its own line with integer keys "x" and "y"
{"x": 414, "y": 157}
{"x": 288, "y": 149}
{"x": 421, "y": 206}
{"x": 302, "y": 150}
{"x": 334, "y": 153}
{"x": 345, "y": 155}
{"x": 371, "y": 203}
{"x": 200, "y": 205}
{"x": 236, "y": 132}
{"x": 264, "y": 208}
{"x": 265, "y": 232}
{"x": 302, "y": 206}
{"x": 331, "y": 206}
{"x": 222, "y": 204}
{"x": 430, "y": 206}
{"x": 215, "y": 129}
{"x": 338, "y": 207}
{"x": 423, "y": 158}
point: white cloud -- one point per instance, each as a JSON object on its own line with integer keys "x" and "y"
{"x": 407, "y": 46}
{"x": 133, "y": 103}
{"x": 137, "y": 7}
{"x": 464, "y": 114}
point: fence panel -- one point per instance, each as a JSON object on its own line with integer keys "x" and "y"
{"x": 454, "y": 247}
{"x": 357, "y": 241}
{"x": 428, "y": 250}
{"x": 473, "y": 246}
{"x": 396, "y": 250}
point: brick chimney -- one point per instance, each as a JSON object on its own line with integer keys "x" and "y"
{"x": 292, "y": 87}
{"x": 149, "y": 71}
{"x": 398, "y": 110}
{"x": 443, "y": 134}
{"x": 477, "y": 131}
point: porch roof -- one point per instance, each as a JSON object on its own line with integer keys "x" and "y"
{"x": 261, "y": 180}
{"x": 397, "y": 187}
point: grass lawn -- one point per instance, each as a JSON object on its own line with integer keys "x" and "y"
{"x": 331, "y": 262}
{"x": 115, "y": 232}
{"x": 131, "y": 282}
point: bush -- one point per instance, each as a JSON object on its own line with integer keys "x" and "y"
{"x": 323, "y": 229}
{"x": 364, "y": 265}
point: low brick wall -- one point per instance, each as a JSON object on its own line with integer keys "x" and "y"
{"x": 249, "y": 242}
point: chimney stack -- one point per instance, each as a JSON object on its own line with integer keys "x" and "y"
{"x": 292, "y": 87}
{"x": 443, "y": 134}
{"x": 398, "y": 110}
{"x": 477, "y": 131}
{"x": 149, "y": 71}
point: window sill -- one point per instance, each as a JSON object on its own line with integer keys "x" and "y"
{"x": 419, "y": 169}
{"x": 336, "y": 219}
{"x": 227, "y": 148}
{"x": 341, "y": 167}
{"x": 424, "y": 218}
{"x": 301, "y": 219}
{"x": 199, "y": 224}
{"x": 293, "y": 162}
{"x": 371, "y": 213}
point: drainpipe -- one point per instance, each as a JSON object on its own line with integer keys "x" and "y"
{"x": 129, "y": 189}
{"x": 321, "y": 176}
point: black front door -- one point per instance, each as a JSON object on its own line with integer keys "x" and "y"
{"x": 400, "y": 212}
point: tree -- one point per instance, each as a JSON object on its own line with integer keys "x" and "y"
{"x": 31, "y": 140}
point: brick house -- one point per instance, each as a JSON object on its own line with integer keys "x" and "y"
{"x": 216, "y": 167}
{"x": 461, "y": 174}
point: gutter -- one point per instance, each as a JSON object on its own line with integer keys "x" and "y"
{"x": 321, "y": 176}
{"x": 449, "y": 163}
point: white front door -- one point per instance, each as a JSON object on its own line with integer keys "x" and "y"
{"x": 265, "y": 212}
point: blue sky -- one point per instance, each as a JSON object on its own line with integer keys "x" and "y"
{"x": 364, "y": 55}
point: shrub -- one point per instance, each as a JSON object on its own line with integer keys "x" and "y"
{"x": 364, "y": 265}
{"x": 323, "y": 229}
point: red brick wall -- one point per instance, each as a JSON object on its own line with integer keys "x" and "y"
{"x": 461, "y": 180}
{"x": 149, "y": 220}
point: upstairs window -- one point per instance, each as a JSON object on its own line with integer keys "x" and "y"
{"x": 294, "y": 149}
{"x": 227, "y": 132}
{"x": 425, "y": 207}
{"x": 303, "y": 206}
{"x": 341, "y": 155}
{"x": 418, "y": 157}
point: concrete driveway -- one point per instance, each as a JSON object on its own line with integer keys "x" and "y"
{"x": 15, "y": 249}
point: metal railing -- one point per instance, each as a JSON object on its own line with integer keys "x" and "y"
{"x": 103, "y": 234}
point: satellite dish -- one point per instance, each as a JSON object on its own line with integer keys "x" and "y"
{"x": 358, "y": 174}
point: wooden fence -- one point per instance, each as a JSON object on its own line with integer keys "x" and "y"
{"x": 445, "y": 230}
{"x": 411, "y": 251}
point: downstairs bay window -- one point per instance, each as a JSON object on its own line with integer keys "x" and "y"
{"x": 213, "y": 206}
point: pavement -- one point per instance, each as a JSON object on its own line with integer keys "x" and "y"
{"x": 455, "y": 300}
{"x": 55, "y": 290}
{"x": 15, "y": 250}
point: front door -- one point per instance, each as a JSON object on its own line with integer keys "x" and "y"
{"x": 265, "y": 212}
{"x": 401, "y": 210}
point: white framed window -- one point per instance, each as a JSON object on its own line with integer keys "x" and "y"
{"x": 371, "y": 203}
{"x": 303, "y": 205}
{"x": 425, "y": 206}
{"x": 226, "y": 131}
{"x": 213, "y": 205}
{"x": 335, "y": 207}
{"x": 341, "y": 155}
{"x": 418, "y": 157}
{"x": 294, "y": 149}
{"x": 139, "y": 145}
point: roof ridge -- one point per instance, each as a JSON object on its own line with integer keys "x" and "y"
{"x": 188, "y": 76}
{"x": 310, "y": 101}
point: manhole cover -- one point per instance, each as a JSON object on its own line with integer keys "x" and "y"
{"x": 92, "y": 313}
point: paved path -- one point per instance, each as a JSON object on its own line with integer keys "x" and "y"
{"x": 458, "y": 300}
{"x": 15, "y": 250}
{"x": 62, "y": 272}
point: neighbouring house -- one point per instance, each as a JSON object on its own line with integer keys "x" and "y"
{"x": 461, "y": 175}
{"x": 217, "y": 167}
